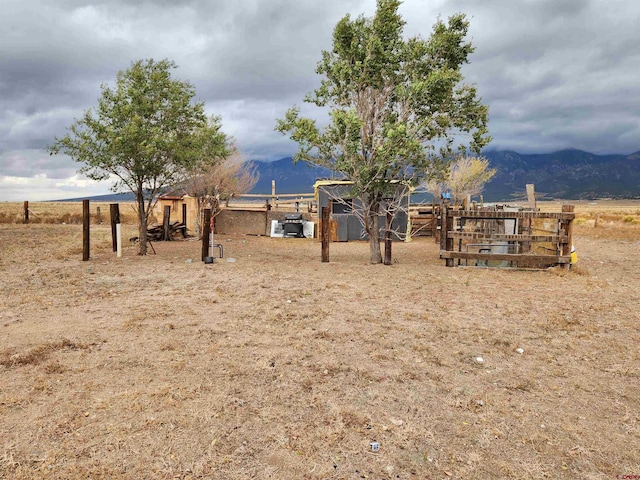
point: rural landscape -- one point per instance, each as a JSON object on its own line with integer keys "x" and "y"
{"x": 454, "y": 296}
{"x": 270, "y": 364}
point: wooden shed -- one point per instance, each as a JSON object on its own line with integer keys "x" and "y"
{"x": 344, "y": 223}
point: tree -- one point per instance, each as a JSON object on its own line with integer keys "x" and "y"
{"x": 397, "y": 108}
{"x": 144, "y": 134}
{"x": 214, "y": 181}
{"x": 467, "y": 176}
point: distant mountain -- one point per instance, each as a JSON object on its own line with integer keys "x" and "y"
{"x": 109, "y": 197}
{"x": 290, "y": 178}
{"x": 567, "y": 174}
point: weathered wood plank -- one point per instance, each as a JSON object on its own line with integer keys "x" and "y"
{"x": 508, "y": 237}
{"x": 510, "y": 257}
{"x": 502, "y": 214}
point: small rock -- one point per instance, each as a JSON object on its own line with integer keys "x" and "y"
{"x": 231, "y": 260}
{"x": 520, "y": 350}
{"x": 479, "y": 360}
{"x": 189, "y": 260}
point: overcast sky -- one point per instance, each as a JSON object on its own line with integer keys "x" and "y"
{"x": 555, "y": 73}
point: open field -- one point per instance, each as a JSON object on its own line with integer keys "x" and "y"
{"x": 71, "y": 212}
{"x": 279, "y": 366}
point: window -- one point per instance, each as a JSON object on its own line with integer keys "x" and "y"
{"x": 343, "y": 205}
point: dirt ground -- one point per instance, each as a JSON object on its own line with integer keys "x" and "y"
{"x": 278, "y": 366}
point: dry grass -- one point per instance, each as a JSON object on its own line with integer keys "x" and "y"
{"x": 63, "y": 212}
{"x": 278, "y": 366}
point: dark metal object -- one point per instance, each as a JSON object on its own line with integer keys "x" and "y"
{"x": 293, "y": 225}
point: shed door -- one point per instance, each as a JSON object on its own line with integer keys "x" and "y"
{"x": 342, "y": 221}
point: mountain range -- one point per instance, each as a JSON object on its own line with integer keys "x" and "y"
{"x": 566, "y": 174}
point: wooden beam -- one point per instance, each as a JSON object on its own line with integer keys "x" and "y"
{"x": 280, "y": 195}
{"x": 497, "y": 215}
{"x": 510, "y": 257}
{"x": 503, "y": 237}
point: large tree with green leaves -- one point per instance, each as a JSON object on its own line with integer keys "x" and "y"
{"x": 144, "y": 134}
{"x": 398, "y": 108}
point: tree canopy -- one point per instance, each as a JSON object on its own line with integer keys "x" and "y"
{"x": 398, "y": 108}
{"x": 144, "y": 135}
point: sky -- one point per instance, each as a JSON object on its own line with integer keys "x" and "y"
{"x": 555, "y": 74}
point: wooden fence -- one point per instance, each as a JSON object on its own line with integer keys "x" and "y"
{"x": 491, "y": 237}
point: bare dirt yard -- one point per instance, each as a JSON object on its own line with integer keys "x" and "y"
{"x": 278, "y": 366}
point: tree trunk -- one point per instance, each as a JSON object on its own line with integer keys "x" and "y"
{"x": 387, "y": 239}
{"x": 142, "y": 224}
{"x": 371, "y": 208}
{"x": 375, "y": 256}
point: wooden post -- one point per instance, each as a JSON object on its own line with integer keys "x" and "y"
{"x": 98, "y": 215}
{"x": 273, "y": 194}
{"x": 434, "y": 221}
{"x": 531, "y": 196}
{"x": 597, "y": 219}
{"x": 206, "y": 231}
{"x": 449, "y": 239}
{"x": 446, "y": 224}
{"x": 325, "y": 233}
{"x": 26, "y": 211}
{"x": 184, "y": 216}
{"x": 86, "y": 216}
{"x": 525, "y": 224}
{"x": 443, "y": 226}
{"x": 166, "y": 217}
{"x": 387, "y": 240}
{"x": 114, "y": 213}
{"x": 566, "y": 248}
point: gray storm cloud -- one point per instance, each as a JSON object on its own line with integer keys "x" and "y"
{"x": 555, "y": 73}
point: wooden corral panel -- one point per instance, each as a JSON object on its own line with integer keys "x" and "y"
{"x": 509, "y": 238}
{"x": 424, "y": 220}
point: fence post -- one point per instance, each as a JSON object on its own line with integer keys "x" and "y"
{"x": 26, "y": 211}
{"x": 114, "y": 213}
{"x": 206, "y": 231}
{"x": 184, "y": 215}
{"x": 325, "y": 234}
{"x": 166, "y": 216}
{"x": 273, "y": 194}
{"x": 86, "y": 216}
{"x": 566, "y": 248}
